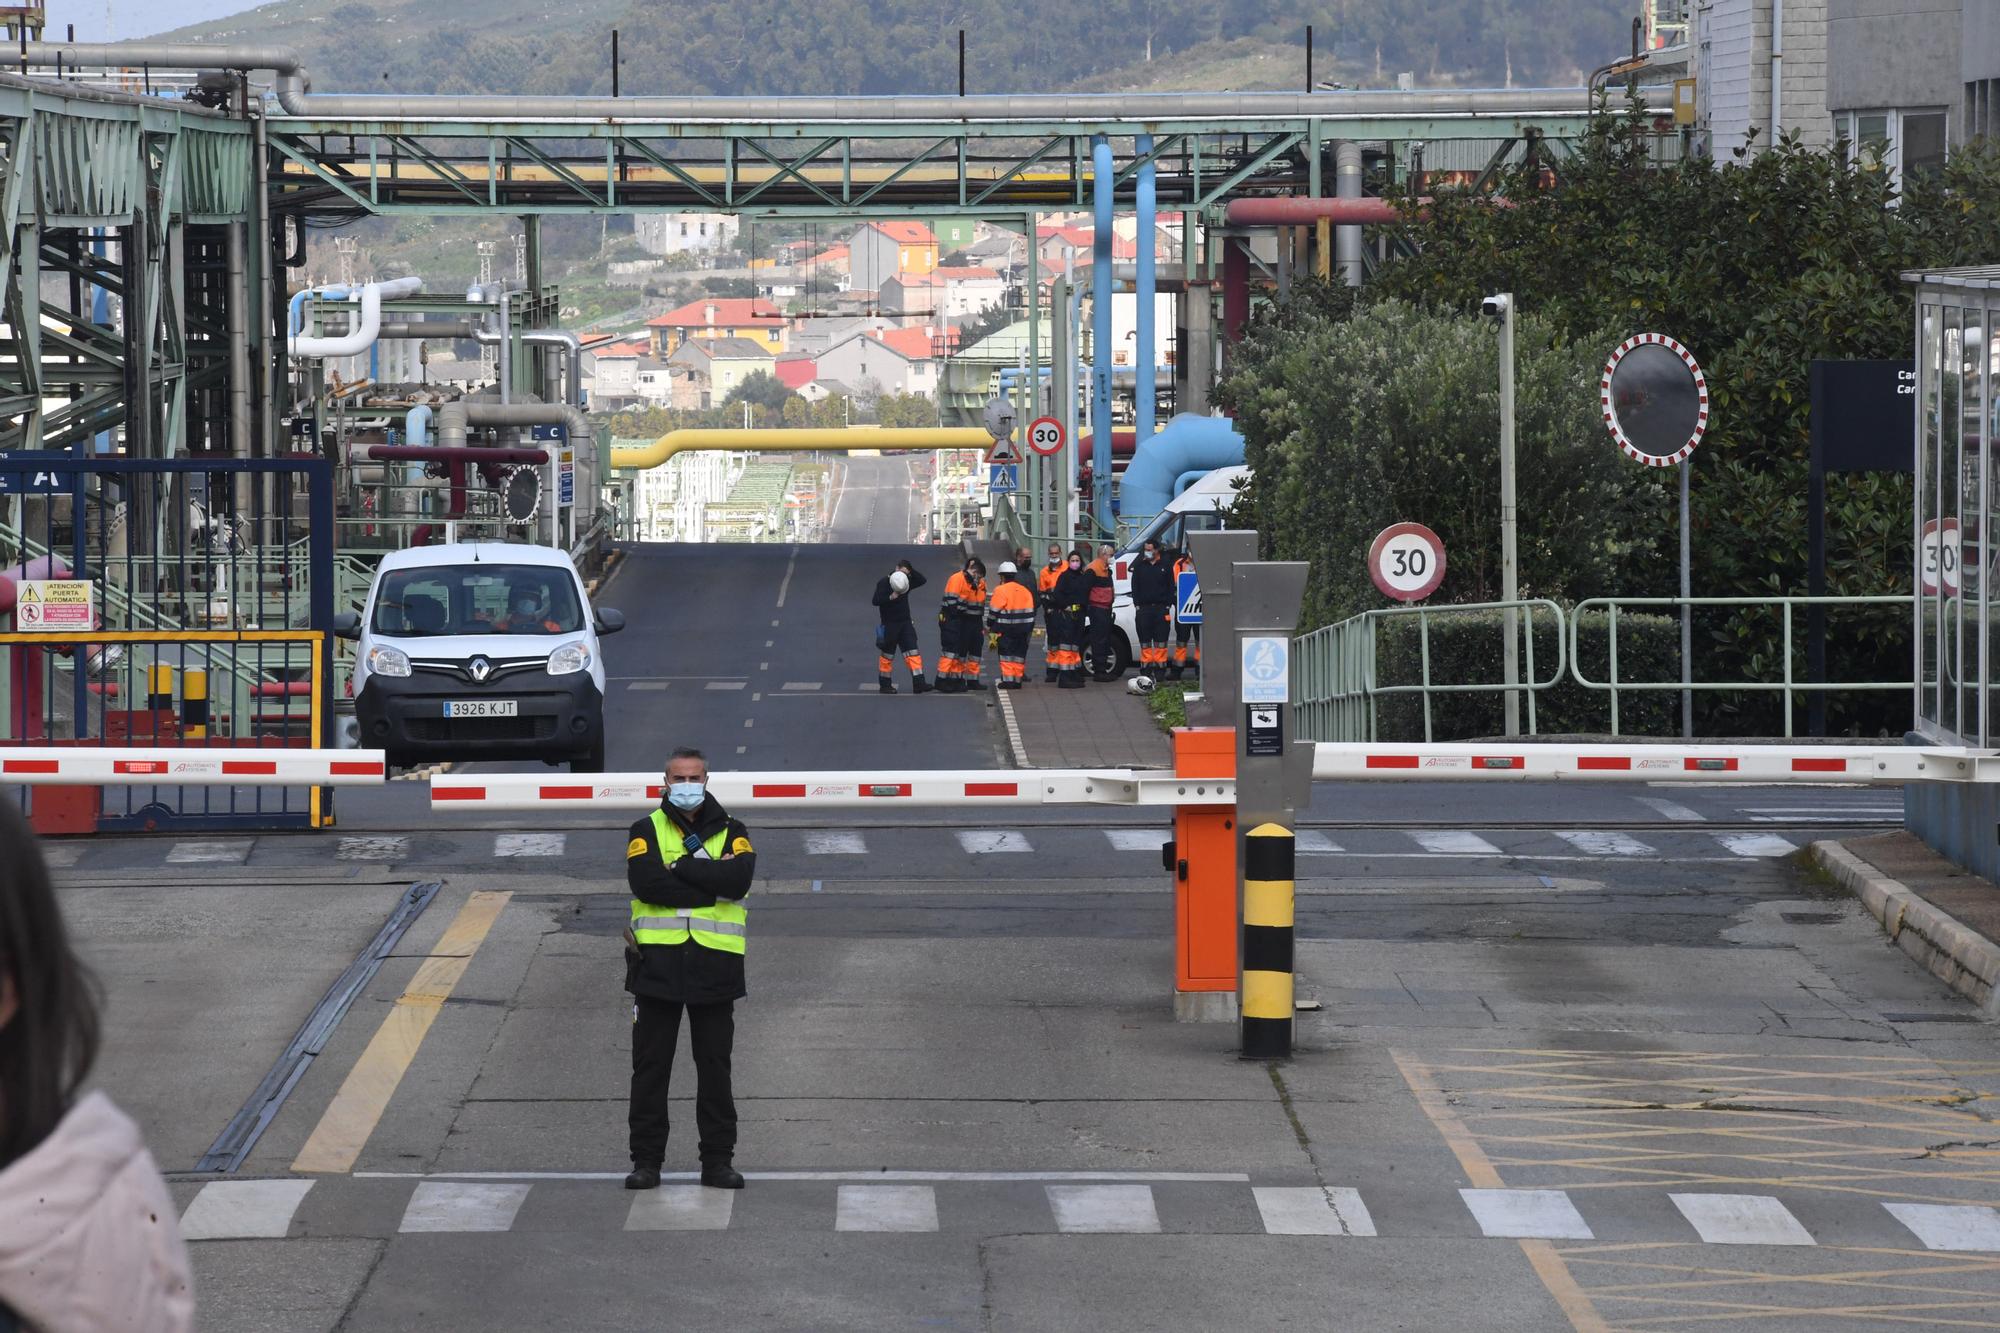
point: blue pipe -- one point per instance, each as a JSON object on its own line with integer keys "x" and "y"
{"x": 1190, "y": 447}
{"x": 100, "y": 315}
{"x": 295, "y": 317}
{"x": 1145, "y": 398}
{"x": 1104, "y": 184}
{"x": 417, "y": 424}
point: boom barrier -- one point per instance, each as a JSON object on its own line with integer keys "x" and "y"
{"x": 186, "y": 766}
{"x": 869, "y": 790}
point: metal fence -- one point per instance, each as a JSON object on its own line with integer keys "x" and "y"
{"x": 210, "y": 596}
{"x": 1337, "y": 670}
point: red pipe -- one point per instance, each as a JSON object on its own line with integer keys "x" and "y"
{"x": 456, "y": 460}
{"x": 1299, "y": 211}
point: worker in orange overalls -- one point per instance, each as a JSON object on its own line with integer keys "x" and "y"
{"x": 1010, "y": 616}
{"x": 1187, "y": 638}
{"x": 1045, "y": 590}
{"x": 961, "y": 628}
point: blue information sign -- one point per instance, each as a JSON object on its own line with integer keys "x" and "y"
{"x": 1003, "y": 477}
{"x": 1187, "y": 598}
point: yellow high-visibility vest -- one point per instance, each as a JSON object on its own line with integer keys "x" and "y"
{"x": 723, "y": 927}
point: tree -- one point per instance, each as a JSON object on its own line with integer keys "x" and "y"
{"x": 906, "y": 409}
{"x": 761, "y": 388}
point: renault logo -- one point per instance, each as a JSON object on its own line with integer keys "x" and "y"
{"x": 480, "y": 669}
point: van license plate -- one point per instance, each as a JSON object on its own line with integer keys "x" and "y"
{"x": 482, "y": 708}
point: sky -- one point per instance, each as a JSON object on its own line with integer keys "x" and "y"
{"x": 116, "y": 20}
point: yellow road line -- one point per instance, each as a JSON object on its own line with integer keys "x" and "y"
{"x": 1542, "y": 1256}
{"x": 336, "y": 1142}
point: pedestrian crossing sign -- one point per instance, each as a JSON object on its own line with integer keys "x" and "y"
{"x": 1003, "y": 478}
{"x": 1187, "y": 598}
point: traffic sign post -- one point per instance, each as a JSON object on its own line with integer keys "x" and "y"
{"x": 1406, "y": 562}
{"x": 1045, "y": 436}
{"x": 1655, "y": 402}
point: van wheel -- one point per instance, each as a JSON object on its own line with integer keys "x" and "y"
{"x": 1124, "y": 650}
{"x": 590, "y": 761}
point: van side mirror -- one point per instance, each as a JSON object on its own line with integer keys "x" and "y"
{"x": 347, "y": 624}
{"x": 609, "y": 621}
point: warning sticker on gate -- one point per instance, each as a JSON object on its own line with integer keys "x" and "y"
{"x": 1267, "y": 669}
{"x": 54, "y": 606}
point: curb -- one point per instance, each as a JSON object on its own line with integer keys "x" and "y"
{"x": 1013, "y": 726}
{"x": 1960, "y": 957}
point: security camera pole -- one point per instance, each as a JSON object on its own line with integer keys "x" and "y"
{"x": 1502, "y": 307}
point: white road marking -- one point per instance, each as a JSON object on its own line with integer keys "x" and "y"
{"x": 530, "y": 844}
{"x": 451, "y": 1206}
{"x": 1311, "y": 1211}
{"x": 1755, "y": 844}
{"x": 1138, "y": 839}
{"x": 749, "y": 722}
{"x": 1950, "y": 1227}
{"x": 681, "y": 1208}
{"x": 372, "y": 849}
{"x": 886, "y": 1208}
{"x": 864, "y": 1177}
{"x": 1013, "y": 725}
{"x": 756, "y": 698}
{"x": 1741, "y": 1219}
{"x": 234, "y": 852}
{"x": 1598, "y": 842}
{"x": 743, "y": 749}
{"x": 648, "y": 684}
{"x": 1456, "y": 843}
{"x": 1527, "y": 1214}
{"x": 1103, "y": 1208}
{"x": 1673, "y": 810}
{"x": 61, "y": 855}
{"x": 1313, "y": 842}
{"x": 243, "y": 1210}
{"x": 802, "y": 684}
{"x": 979, "y": 842}
{"x": 786, "y": 587}
{"x": 727, "y": 685}
{"x": 1796, "y": 820}
{"x": 836, "y": 844}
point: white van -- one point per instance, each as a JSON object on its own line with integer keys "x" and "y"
{"x": 480, "y": 650}
{"x": 1202, "y": 507}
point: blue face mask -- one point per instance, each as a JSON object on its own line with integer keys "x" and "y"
{"x": 687, "y": 796}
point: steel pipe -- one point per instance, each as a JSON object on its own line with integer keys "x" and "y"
{"x": 832, "y": 439}
{"x": 1300, "y": 211}
{"x": 1347, "y": 235}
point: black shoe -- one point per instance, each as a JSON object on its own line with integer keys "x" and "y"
{"x": 721, "y": 1176}
{"x": 920, "y": 686}
{"x": 643, "y": 1178}
{"x": 886, "y": 688}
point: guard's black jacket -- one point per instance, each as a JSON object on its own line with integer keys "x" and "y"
{"x": 896, "y": 610}
{"x": 1152, "y": 582}
{"x": 688, "y": 973}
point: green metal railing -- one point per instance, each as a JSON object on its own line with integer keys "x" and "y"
{"x": 1334, "y": 669}
{"x": 1787, "y": 683}
{"x": 1337, "y": 686}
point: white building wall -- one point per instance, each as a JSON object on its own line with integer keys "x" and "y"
{"x": 863, "y": 358}
{"x": 1732, "y": 68}
{"x": 1725, "y": 44}
{"x": 685, "y": 233}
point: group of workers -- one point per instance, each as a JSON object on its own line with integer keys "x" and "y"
{"x": 1073, "y": 593}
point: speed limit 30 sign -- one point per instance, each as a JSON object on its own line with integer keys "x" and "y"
{"x": 1045, "y": 436}
{"x": 1407, "y": 562}
{"x": 1938, "y": 559}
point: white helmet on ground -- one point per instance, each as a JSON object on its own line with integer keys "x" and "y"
{"x": 899, "y": 581}
{"x": 1139, "y": 685}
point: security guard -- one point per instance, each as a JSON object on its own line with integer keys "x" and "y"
{"x": 1187, "y": 638}
{"x": 689, "y": 865}
{"x": 961, "y": 632}
{"x": 1011, "y": 617}
{"x": 1152, "y": 605}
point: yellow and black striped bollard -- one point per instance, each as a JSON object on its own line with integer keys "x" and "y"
{"x": 194, "y": 703}
{"x": 1268, "y": 893}
{"x": 160, "y": 687}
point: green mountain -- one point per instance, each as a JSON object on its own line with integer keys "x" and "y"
{"x": 900, "y": 46}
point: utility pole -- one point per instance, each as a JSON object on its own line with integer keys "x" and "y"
{"x": 1502, "y": 307}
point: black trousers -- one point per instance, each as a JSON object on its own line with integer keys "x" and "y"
{"x": 1103, "y": 652}
{"x": 712, "y": 1034}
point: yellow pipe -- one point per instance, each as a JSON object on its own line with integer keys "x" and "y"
{"x": 800, "y": 440}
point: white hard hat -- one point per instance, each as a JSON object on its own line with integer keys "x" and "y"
{"x": 1007, "y": 567}
{"x": 1139, "y": 685}
{"x": 900, "y": 581}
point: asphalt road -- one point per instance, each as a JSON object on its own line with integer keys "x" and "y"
{"x": 1586, "y": 1057}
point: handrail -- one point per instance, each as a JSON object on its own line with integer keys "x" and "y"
{"x": 1341, "y": 658}
{"x": 1613, "y": 605}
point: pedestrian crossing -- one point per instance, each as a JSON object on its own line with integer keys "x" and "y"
{"x": 1319, "y": 850}
{"x": 1060, "y": 1203}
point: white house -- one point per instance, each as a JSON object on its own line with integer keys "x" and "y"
{"x": 685, "y": 233}
{"x": 902, "y": 361}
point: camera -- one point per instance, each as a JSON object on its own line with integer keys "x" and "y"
{"x": 1496, "y": 307}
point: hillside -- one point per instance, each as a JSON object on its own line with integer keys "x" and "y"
{"x": 899, "y": 46}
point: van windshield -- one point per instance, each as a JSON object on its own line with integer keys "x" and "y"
{"x": 477, "y": 599}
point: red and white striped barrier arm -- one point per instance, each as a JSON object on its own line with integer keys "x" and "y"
{"x": 833, "y": 791}
{"x": 188, "y": 766}
{"x": 1490, "y": 760}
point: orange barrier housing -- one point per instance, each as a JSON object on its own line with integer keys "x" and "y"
{"x": 1205, "y": 867}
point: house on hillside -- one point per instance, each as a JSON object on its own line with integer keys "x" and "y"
{"x": 878, "y": 251}
{"x": 815, "y": 335}
{"x": 970, "y": 290}
{"x": 719, "y": 317}
{"x": 727, "y": 362}
{"x": 611, "y": 371}
{"x": 795, "y": 370}
{"x": 685, "y": 233}
{"x": 900, "y": 360}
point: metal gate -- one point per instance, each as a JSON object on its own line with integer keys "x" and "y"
{"x": 166, "y": 602}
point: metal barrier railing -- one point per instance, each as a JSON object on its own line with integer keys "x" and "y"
{"x": 189, "y": 690}
{"x": 1335, "y": 669}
